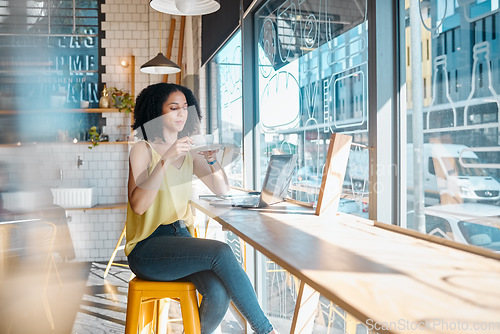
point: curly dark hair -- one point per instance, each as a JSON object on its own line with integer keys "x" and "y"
{"x": 149, "y": 106}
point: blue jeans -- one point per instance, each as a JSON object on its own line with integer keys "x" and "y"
{"x": 171, "y": 254}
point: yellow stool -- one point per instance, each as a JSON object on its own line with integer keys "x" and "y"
{"x": 141, "y": 292}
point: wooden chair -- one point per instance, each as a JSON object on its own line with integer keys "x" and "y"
{"x": 5, "y": 232}
{"x": 118, "y": 247}
{"x": 34, "y": 265}
{"x": 40, "y": 237}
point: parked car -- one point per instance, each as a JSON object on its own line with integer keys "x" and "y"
{"x": 447, "y": 171}
{"x": 468, "y": 223}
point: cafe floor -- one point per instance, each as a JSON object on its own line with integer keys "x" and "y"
{"x": 86, "y": 303}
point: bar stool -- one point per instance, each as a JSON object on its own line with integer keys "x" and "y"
{"x": 141, "y": 292}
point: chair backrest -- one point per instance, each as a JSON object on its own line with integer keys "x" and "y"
{"x": 38, "y": 243}
{"x": 6, "y": 249}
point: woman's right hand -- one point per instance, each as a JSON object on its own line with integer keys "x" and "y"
{"x": 178, "y": 149}
{"x": 143, "y": 186}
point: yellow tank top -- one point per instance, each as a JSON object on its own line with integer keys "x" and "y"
{"x": 171, "y": 203}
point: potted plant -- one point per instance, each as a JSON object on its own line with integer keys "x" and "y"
{"x": 95, "y": 137}
{"x": 123, "y": 101}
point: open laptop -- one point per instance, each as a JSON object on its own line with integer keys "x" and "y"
{"x": 274, "y": 188}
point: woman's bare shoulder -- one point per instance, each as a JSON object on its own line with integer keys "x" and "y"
{"x": 140, "y": 150}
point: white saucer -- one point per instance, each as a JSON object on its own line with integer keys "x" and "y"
{"x": 228, "y": 153}
{"x": 210, "y": 147}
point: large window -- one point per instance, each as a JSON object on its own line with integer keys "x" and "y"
{"x": 453, "y": 121}
{"x": 226, "y": 102}
{"x": 312, "y": 79}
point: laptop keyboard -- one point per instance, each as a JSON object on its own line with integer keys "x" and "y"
{"x": 251, "y": 200}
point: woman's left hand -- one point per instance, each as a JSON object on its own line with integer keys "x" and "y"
{"x": 210, "y": 156}
{"x": 211, "y": 172}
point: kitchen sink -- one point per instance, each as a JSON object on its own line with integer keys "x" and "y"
{"x": 74, "y": 198}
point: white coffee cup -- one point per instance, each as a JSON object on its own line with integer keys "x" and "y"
{"x": 202, "y": 140}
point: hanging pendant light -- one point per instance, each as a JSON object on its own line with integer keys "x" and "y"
{"x": 160, "y": 64}
{"x": 185, "y": 7}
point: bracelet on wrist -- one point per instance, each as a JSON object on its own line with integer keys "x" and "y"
{"x": 211, "y": 162}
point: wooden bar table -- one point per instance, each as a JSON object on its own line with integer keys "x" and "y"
{"x": 390, "y": 280}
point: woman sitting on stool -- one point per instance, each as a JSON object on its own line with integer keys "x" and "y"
{"x": 160, "y": 246}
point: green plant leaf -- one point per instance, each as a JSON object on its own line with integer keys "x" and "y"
{"x": 125, "y": 102}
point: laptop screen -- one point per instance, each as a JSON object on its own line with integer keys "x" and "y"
{"x": 278, "y": 177}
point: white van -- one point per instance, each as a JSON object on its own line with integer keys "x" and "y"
{"x": 445, "y": 174}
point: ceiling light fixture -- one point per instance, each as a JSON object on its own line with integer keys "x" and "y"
{"x": 160, "y": 64}
{"x": 185, "y": 7}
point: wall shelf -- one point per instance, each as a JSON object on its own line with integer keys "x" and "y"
{"x": 109, "y": 206}
{"x": 100, "y": 143}
{"x": 79, "y": 143}
{"x": 62, "y": 110}
{"x": 60, "y": 124}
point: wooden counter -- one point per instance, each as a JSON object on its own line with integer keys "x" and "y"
{"x": 392, "y": 282}
{"x": 109, "y": 206}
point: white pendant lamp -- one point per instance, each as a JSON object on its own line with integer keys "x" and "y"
{"x": 185, "y": 7}
{"x": 160, "y": 64}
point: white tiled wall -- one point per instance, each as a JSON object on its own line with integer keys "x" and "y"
{"x": 95, "y": 233}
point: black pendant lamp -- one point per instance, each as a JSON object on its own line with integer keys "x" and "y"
{"x": 160, "y": 64}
